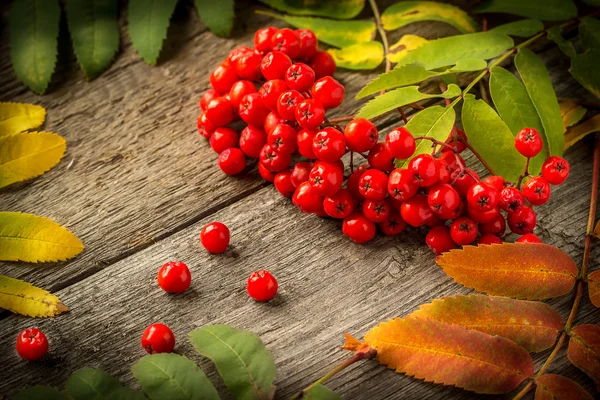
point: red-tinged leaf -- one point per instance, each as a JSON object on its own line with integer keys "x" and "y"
{"x": 352, "y": 343}
{"x": 532, "y": 271}
{"x": 557, "y": 387}
{"x": 530, "y": 324}
{"x": 593, "y": 281}
{"x": 450, "y": 354}
{"x": 584, "y": 350}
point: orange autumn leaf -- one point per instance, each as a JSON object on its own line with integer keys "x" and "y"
{"x": 450, "y": 354}
{"x": 593, "y": 281}
{"x": 531, "y": 324}
{"x": 557, "y": 387}
{"x": 532, "y": 271}
{"x": 354, "y": 344}
{"x": 584, "y": 350}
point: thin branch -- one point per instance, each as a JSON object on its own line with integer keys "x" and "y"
{"x": 476, "y": 154}
{"x": 403, "y": 115}
{"x": 386, "y": 47}
{"x": 341, "y": 119}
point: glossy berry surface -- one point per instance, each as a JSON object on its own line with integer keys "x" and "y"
{"x": 262, "y": 38}
{"x": 326, "y": 178}
{"x": 376, "y": 210}
{"x": 220, "y": 111}
{"x": 415, "y": 211}
{"x": 463, "y": 231}
{"x": 555, "y": 170}
{"x": 261, "y": 285}
{"x": 489, "y": 238}
{"x": 252, "y": 140}
{"x": 309, "y": 114}
{"x": 223, "y": 138}
{"x": 401, "y": 184}
{"x": 536, "y": 190}
{"x": 393, "y": 225}
{"x": 439, "y": 240}
{"x": 232, "y": 161}
{"x": 174, "y": 277}
{"x": 158, "y": 338}
{"x": 361, "y": 135}
{"x": 307, "y": 198}
{"x": 308, "y": 43}
{"x": 215, "y": 237}
{"x": 425, "y": 170}
{"x": 286, "y": 41}
{"x": 380, "y": 157}
{"x": 401, "y": 143}
{"x": 271, "y": 90}
{"x": 522, "y": 221}
{"x": 273, "y": 159}
{"x": 339, "y": 205}
{"x": 529, "y": 238}
{"x": 287, "y": 103}
{"x": 511, "y": 199}
{"x": 223, "y": 78}
{"x": 322, "y": 63}
{"x": 300, "y": 77}
{"x": 328, "y": 92}
{"x": 31, "y": 344}
{"x": 358, "y": 228}
{"x": 329, "y": 145}
{"x": 444, "y": 200}
{"x": 529, "y": 142}
{"x": 482, "y": 197}
{"x": 283, "y": 183}
{"x": 252, "y": 110}
{"x": 274, "y": 65}
{"x": 373, "y": 184}
{"x": 283, "y": 139}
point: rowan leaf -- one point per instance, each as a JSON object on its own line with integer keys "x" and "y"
{"x": 27, "y": 155}
{"x": 531, "y": 324}
{"x": 34, "y": 41}
{"x": 517, "y": 111}
{"x": 407, "y": 12}
{"x": 522, "y": 28}
{"x": 94, "y": 30}
{"x": 148, "y": 22}
{"x": 435, "y": 122}
{"x": 241, "y": 359}
{"x": 401, "y": 97}
{"x": 358, "y": 56}
{"x": 557, "y": 387}
{"x": 533, "y": 271}
{"x": 95, "y": 384}
{"x": 173, "y": 377}
{"x": 589, "y": 32}
{"x": 576, "y": 133}
{"x": 218, "y": 16}
{"x": 536, "y": 79}
{"x": 320, "y": 392}
{"x": 491, "y": 138}
{"x": 571, "y": 113}
{"x": 39, "y": 393}
{"x": 593, "y": 281}
{"x": 19, "y": 117}
{"x": 450, "y": 354}
{"x": 546, "y": 10}
{"x": 584, "y": 350}
{"x": 23, "y": 298}
{"x": 27, "y": 237}
{"x": 339, "y": 9}
{"x": 407, "y": 43}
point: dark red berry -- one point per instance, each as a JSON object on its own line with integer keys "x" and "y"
{"x": 376, "y": 210}
{"x": 220, "y": 111}
{"x": 158, "y": 338}
{"x": 326, "y": 178}
{"x": 495, "y": 181}
{"x": 401, "y": 143}
{"x": 283, "y": 183}
{"x": 358, "y": 228}
{"x": 308, "y": 43}
{"x": 265, "y": 173}
{"x": 536, "y": 190}
{"x": 529, "y": 238}
{"x": 271, "y": 90}
{"x": 207, "y": 97}
{"x": 307, "y": 198}
{"x": 401, "y": 184}
{"x": 262, "y": 38}
{"x": 415, "y": 211}
{"x": 339, "y": 205}
{"x": 555, "y": 170}
{"x": 300, "y": 77}
{"x": 393, "y": 225}
{"x": 32, "y": 344}
{"x": 300, "y": 172}
{"x": 283, "y": 139}
{"x": 329, "y": 145}
{"x": 252, "y": 110}
{"x": 361, "y": 135}
{"x": 237, "y": 53}
{"x": 286, "y": 41}
{"x": 511, "y": 199}
{"x": 239, "y": 90}
{"x": 274, "y": 65}
{"x": 252, "y": 140}
{"x": 273, "y": 159}
{"x": 482, "y": 197}
{"x": 497, "y": 226}
{"x": 528, "y": 142}
{"x": 463, "y": 231}
{"x": 328, "y": 92}
{"x": 439, "y": 240}
{"x": 287, "y": 103}
{"x": 483, "y": 216}
{"x": 373, "y": 184}
{"x": 232, "y": 161}
{"x": 204, "y": 126}
{"x": 174, "y": 277}
{"x": 215, "y": 237}
{"x": 522, "y": 221}
{"x": 305, "y": 143}
{"x": 444, "y": 200}
{"x": 309, "y": 114}
{"x": 353, "y": 184}
{"x": 489, "y": 238}
{"x": 223, "y": 78}
{"x": 273, "y": 119}
{"x": 445, "y": 171}
{"x": 247, "y": 66}
{"x": 261, "y": 286}
{"x": 425, "y": 170}
{"x": 381, "y": 158}
{"x": 463, "y": 180}
{"x": 223, "y": 138}
{"x": 322, "y": 63}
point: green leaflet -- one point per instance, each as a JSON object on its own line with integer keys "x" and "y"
{"x": 521, "y": 28}
{"x": 241, "y": 359}
{"x": 39, "y": 393}
{"x": 33, "y": 41}
{"x": 537, "y": 82}
{"x": 148, "y": 23}
{"x": 414, "y": 73}
{"x": 435, "y": 122}
{"x": 491, "y": 138}
{"x": 358, "y": 56}
{"x": 217, "y": 15}
{"x": 320, "y": 392}
{"x": 571, "y": 113}
{"x": 94, "y": 384}
{"x": 546, "y": 10}
{"x": 407, "y": 12}
{"x": 402, "y": 47}
{"x": 516, "y": 109}
{"x": 401, "y": 97}
{"x": 339, "y": 9}
{"x": 95, "y": 33}
{"x": 173, "y": 377}
{"x": 564, "y": 45}
{"x": 334, "y": 33}
{"x": 589, "y": 32}
{"x": 592, "y": 2}
{"x": 447, "y": 51}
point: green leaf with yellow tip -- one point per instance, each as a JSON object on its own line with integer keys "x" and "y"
{"x": 23, "y": 298}
{"x": 406, "y": 12}
{"x": 401, "y": 48}
{"x": 358, "y": 56}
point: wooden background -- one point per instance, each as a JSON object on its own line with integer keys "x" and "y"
{"x": 137, "y": 184}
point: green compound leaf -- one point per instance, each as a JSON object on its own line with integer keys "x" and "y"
{"x": 339, "y": 9}
{"x": 94, "y": 384}
{"x": 34, "y": 41}
{"x": 334, "y": 33}
{"x": 516, "y": 109}
{"x": 148, "y": 23}
{"x": 218, "y": 15}
{"x": 19, "y": 117}
{"x": 402, "y": 47}
{"x": 241, "y": 359}
{"x": 401, "y": 97}
{"x": 546, "y": 10}
{"x": 537, "y": 82}
{"x": 407, "y": 12}
{"x": 94, "y": 31}
{"x": 435, "y": 122}
{"x": 174, "y": 377}
{"x": 523, "y": 28}
{"x": 39, "y": 393}
{"x": 358, "y": 56}
{"x": 320, "y": 392}
{"x": 491, "y": 138}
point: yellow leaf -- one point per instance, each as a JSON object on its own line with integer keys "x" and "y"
{"x": 406, "y": 12}
{"x": 358, "y": 56}
{"x": 576, "y": 133}
{"x": 401, "y": 48}
{"x": 23, "y": 298}
{"x": 571, "y": 113}
{"x": 27, "y": 155}
{"x": 597, "y": 230}
{"x": 19, "y": 117}
{"x": 27, "y": 237}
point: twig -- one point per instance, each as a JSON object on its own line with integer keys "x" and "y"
{"x": 384, "y": 40}
{"x": 403, "y": 115}
{"x": 341, "y": 119}
{"x": 416, "y": 106}
{"x": 476, "y": 154}
{"x": 524, "y": 174}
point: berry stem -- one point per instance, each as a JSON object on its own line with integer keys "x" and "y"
{"x": 403, "y": 115}
{"x": 386, "y": 48}
{"x": 416, "y": 106}
{"x": 436, "y": 142}
{"x": 476, "y": 154}
{"x": 341, "y": 119}
{"x": 351, "y": 162}
{"x": 524, "y": 174}
{"x": 582, "y": 271}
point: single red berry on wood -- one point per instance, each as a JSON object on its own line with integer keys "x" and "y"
{"x": 273, "y": 119}
{"x": 309, "y": 114}
{"x": 373, "y": 184}
{"x": 497, "y": 226}
{"x": 483, "y": 216}
{"x": 283, "y": 183}
{"x": 273, "y": 159}
{"x": 252, "y": 140}
{"x": 223, "y": 138}
{"x": 32, "y": 344}
{"x": 287, "y": 103}
{"x": 174, "y": 277}
{"x": 443, "y": 199}
{"x": 376, "y": 210}
{"x": 274, "y": 65}
{"x": 495, "y": 181}
{"x": 300, "y": 77}
{"x": 555, "y": 170}
{"x": 305, "y": 143}
{"x": 482, "y": 197}
{"x": 283, "y": 139}
{"x": 207, "y": 97}
{"x": 300, "y": 172}
{"x": 265, "y": 173}
{"x": 529, "y": 238}
{"x": 537, "y": 190}
{"x": 393, "y": 225}
{"x": 511, "y": 199}
{"x": 308, "y": 43}
{"x": 463, "y": 180}
{"x": 247, "y": 66}
{"x": 252, "y": 110}
{"x": 286, "y": 41}
{"x": 358, "y": 228}
{"x": 339, "y": 205}
{"x": 463, "y": 231}
{"x": 425, "y": 170}
{"x": 415, "y": 211}
{"x": 262, "y": 38}
{"x": 522, "y": 221}
{"x": 361, "y": 135}
{"x": 261, "y": 285}
{"x": 489, "y": 238}
{"x": 271, "y": 90}
{"x": 232, "y": 161}
{"x": 381, "y": 158}
{"x": 215, "y": 237}
{"x": 223, "y": 78}
{"x": 439, "y": 240}
{"x": 323, "y": 64}
{"x": 329, "y": 145}
{"x": 326, "y": 178}
{"x": 307, "y": 198}
{"x": 401, "y": 143}
{"x": 204, "y": 126}
{"x": 328, "y": 92}
{"x": 158, "y": 338}
{"x": 529, "y": 142}
{"x": 220, "y": 111}
{"x": 401, "y": 184}
{"x": 239, "y": 90}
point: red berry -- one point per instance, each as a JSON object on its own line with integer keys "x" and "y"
{"x": 329, "y": 145}
{"x": 326, "y": 178}
{"x": 174, "y": 277}
{"x": 358, "y": 228}
{"x": 300, "y": 173}
{"x": 287, "y": 103}
{"x": 537, "y": 190}
{"x": 283, "y": 183}
{"x": 286, "y": 41}
{"x": 373, "y": 184}
{"x": 555, "y": 170}
{"x": 273, "y": 159}
{"x": 463, "y": 180}
{"x": 393, "y": 225}
{"x": 444, "y": 200}
{"x": 220, "y": 111}
{"x": 482, "y": 197}
{"x": 401, "y": 184}
{"x": 262, "y": 38}
{"x": 415, "y": 211}
{"x": 261, "y": 286}
{"x": 439, "y": 240}
{"x": 232, "y": 161}
{"x": 528, "y": 142}
{"x": 425, "y": 170}
{"x": 444, "y": 171}
{"x": 300, "y": 77}
{"x": 353, "y": 184}
{"x": 459, "y": 144}
{"x": 483, "y": 216}
{"x": 307, "y": 198}
{"x": 273, "y": 119}
{"x": 328, "y": 92}
{"x": 247, "y": 66}
{"x": 511, "y": 199}
{"x": 401, "y": 143}
{"x": 239, "y": 90}
{"x": 309, "y": 114}
{"x": 207, "y": 97}
{"x": 339, "y": 205}
{"x": 215, "y": 237}
{"x": 381, "y": 158}
{"x": 497, "y": 226}
{"x": 522, "y": 221}
{"x": 252, "y": 140}
{"x": 32, "y": 344}
{"x": 274, "y": 65}
{"x": 236, "y": 53}
{"x": 308, "y": 43}
{"x": 451, "y": 159}
{"x": 158, "y": 338}
{"x": 265, "y": 173}
{"x": 322, "y": 63}
{"x": 495, "y": 181}
{"x": 305, "y": 143}
{"x": 223, "y": 78}
{"x": 361, "y": 135}
{"x": 252, "y": 110}
{"x": 204, "y": 126}
{"x": 529, "y": 238}
{"x": 376, "y": 210}
{"x": 489, "y": 238}
{"x": 463, "y": 231}
{"x": 283, "y": 139}
{"x": 271, "y": 90}
{"x": 223, "y": 138}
